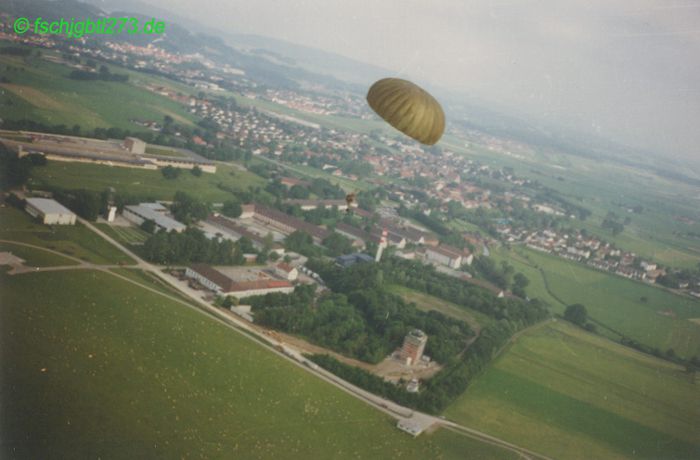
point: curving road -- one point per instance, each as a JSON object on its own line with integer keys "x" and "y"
{"x": 390, "y": 408}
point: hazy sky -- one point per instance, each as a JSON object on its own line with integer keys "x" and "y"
{"x": 628, "y": 70}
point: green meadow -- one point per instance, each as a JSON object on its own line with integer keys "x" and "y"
{"x": 143, "y": 183}
{"x": 34, "y": 257}
{"x": 41, "y": 91}
{"x": 426, "y": 302}
{"x": 574, "y": 395}
{"x": 648, "y": 314}
{"x": 72, "y": 240}
{"x": 127, "y": 373}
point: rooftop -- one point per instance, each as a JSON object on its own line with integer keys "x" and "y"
{"x": 49, "y": 206}
{"x": 150, "y": 212}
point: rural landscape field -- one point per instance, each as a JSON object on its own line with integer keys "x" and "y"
{"x": 298, "y": 232}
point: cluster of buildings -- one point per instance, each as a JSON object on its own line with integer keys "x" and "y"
{"x": 129, "y": 153}
{"x": 589, "y": 250}
{"x": 244, "y": 282}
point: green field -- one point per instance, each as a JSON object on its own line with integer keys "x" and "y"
{"x": 126, "y": 235}
{"x": 126, "y": 373}
{"x": 72, "y": 240}
{"x": 41, "y": 91}
{"x": 142, "y": 182}
{"x": 663, "y": 321}
{"x": 573, "y": 395}
{"x": 34, "y": 257}
{"x": 426, "y": 302}
{"x": 149, "y": 279}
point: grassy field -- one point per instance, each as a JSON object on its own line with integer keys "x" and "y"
{"x": 126, "y": 235}
{"x": 36, "y": 257}
{"x": 663, "y": 321}
{"x": 149, "y": 279}
{"x": 426, "y": 302}
{"x": 41, "y": 91}
{"x": 573, "y": 395}
{"x": 125, "y": 373}
{"x": 72, "y": 240}
{"x": 141, "y": 182}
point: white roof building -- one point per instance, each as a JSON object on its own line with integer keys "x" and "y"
{"x": 155, "y": 212}
{"x": 49, "y": 211}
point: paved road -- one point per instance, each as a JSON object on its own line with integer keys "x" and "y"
{"x": 389, "y": 407}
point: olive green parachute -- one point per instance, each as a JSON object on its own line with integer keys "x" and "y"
{"x": 408, "y": 108}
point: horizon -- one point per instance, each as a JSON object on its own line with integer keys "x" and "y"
{"x": 619, "y": 73}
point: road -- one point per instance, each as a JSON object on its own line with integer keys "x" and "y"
{"x": 390, "y": 408}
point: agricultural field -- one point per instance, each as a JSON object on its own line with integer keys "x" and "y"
{"x": 41, "y": 91}
{"x": 661, "y": 320}
{"x": 140, "y": 376}
{"x": 574, "y": 395}
{"x": 72, "y": 240}
{"x": 34, "y": 257}
{"x": 426, "y": 302}
{"x": 143, "y": 183}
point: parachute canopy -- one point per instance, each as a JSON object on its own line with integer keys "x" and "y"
{"x": 408, "y": 108}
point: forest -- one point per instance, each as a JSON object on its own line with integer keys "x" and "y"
{"x": 510, "y": 315}
{"x": 366, "y": 323}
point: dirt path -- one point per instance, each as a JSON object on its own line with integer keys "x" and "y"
{"x": 386, "y": 406}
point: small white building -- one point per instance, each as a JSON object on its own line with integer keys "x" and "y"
{"x": 409, "y": 426}
{"x": 49, "y": 211}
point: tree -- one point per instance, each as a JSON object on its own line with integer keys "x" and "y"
{"x": 188, "y": 209}
{"x": 148, "y": 225}
{"x": 576, "y": 314}
{"x": 170, "y": 173}
{"x": 229, "y": 301}
{"x": 337, "y": 244}
{"x": 196, "y": 171}
{"x": 298, "y": 192}
{"x": 520, "y": 282}
{"x": 231, "y": 208}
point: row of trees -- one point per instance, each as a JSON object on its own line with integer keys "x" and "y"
{"x": 192, "y": 245}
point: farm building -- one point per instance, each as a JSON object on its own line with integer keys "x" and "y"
{"x": 216, "y": 281}
{"x": 285, "y": 223}
{"x": 155, "y": 212}
{"x": 49, "y": 211}
{"x": 446, "y": 255}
